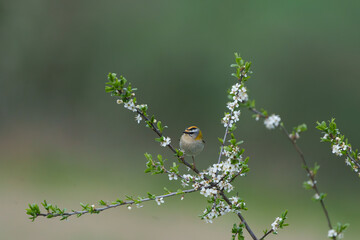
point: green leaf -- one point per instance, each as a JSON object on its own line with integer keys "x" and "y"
{"x": 160, "y": 127}
{"x": 160, "y": 158}
{"x": 179, "y": 191}
{"x": 151, "y": 196}
{"x": 167, "y": 190}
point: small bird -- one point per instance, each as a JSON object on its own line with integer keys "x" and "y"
{"x": 191, "y": 142}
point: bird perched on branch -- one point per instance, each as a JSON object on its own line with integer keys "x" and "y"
{"x": 191, "y": 142}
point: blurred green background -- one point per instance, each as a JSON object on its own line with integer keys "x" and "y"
{"x": 62, "y": 138}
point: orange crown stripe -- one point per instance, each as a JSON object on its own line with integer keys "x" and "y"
{"x": 190, "y": 128}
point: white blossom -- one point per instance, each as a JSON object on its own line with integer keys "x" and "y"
{"x": 336, "y": 149}
{"x": 275, "y": 224}
{"x": 239, "y": 93}
{"x": 159, "y": 200}
{"x": 172, "y": 176}
{"x": 316, "y": 196}
{"x": 226, "y": 120}
{"x": 196, "y": 185}
{"x": 311, "y": 183}
{"x": 234, "y": 200}
{"x": 141, "y": 106}
{"x": 232, "y": 105}
{"x": 326, "y": 136}
{"x": 332, "y": 233}
{"x": 235, "y": 116}
{"x": 130, "y": 105}
{"x": 165, "y": 141}
{"x": 138, "y": 118}
{"x": 129, "y": 207}
{"x": 208, "y": 192}
{"x": 119, "y": 101}
{"x": 272, "y": 121}
{"x": 235, "y": 88}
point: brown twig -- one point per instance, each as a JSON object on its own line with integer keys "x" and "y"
{"x": 306, "y": 167}
{"x": 266, "y": 234}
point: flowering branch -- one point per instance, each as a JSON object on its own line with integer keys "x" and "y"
{"x": 339, "y": 144}
{"x": 54, "y": 211}
{"x": 292, "y": 137}
{"x": 209, "y": 187}
{"x": 339, "y": 147}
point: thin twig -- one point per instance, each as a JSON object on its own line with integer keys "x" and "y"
{"x": 352, "y": 159}
{"x": 267, "y": 233}
{"x": 96, "y": 210}
{"x": 227, "y": 200}
{"x": 224, "y": 138}
{"x": 310, "y": 173}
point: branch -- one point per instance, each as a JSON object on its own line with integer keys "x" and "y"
{"x": 306, "y": 167}
{"x": 224, "y": 139}
{"x": 92, "y": 209}
{"x": 310, "y": 173}
{"x": 266, "y": 234}
{"x": 240, "y": 216}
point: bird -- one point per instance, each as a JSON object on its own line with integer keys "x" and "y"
{"x": 192, "y": 142}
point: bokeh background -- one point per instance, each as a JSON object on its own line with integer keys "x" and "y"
{"x": 62, "y": 138}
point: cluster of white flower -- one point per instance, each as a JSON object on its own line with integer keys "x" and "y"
{"x": 209, "y": 192}
{"x": 186, "y": 179}
{"x": 311, "y": 183}
{"x": 221, "y": 209}
{"x": 272, "y": 121}
{"x": 235, "y": 201}
{"x": 141, "y": 106}
{"x": 339, "y": 146}
{"x": 275, "y": 225}
{"x": 172, "y": 176}
{"x": 352, "y": 165}
{"x": 332, "y": 233}
{"x": 316, "y": 196}
{"x": 230, "y": 119}
{"x": 233, "y": 152}
{"x": 239, "y": 93}
{"x": 130, "y": 105}
{"x": 159, "y": 200}
{"x": 165, "y": 141}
